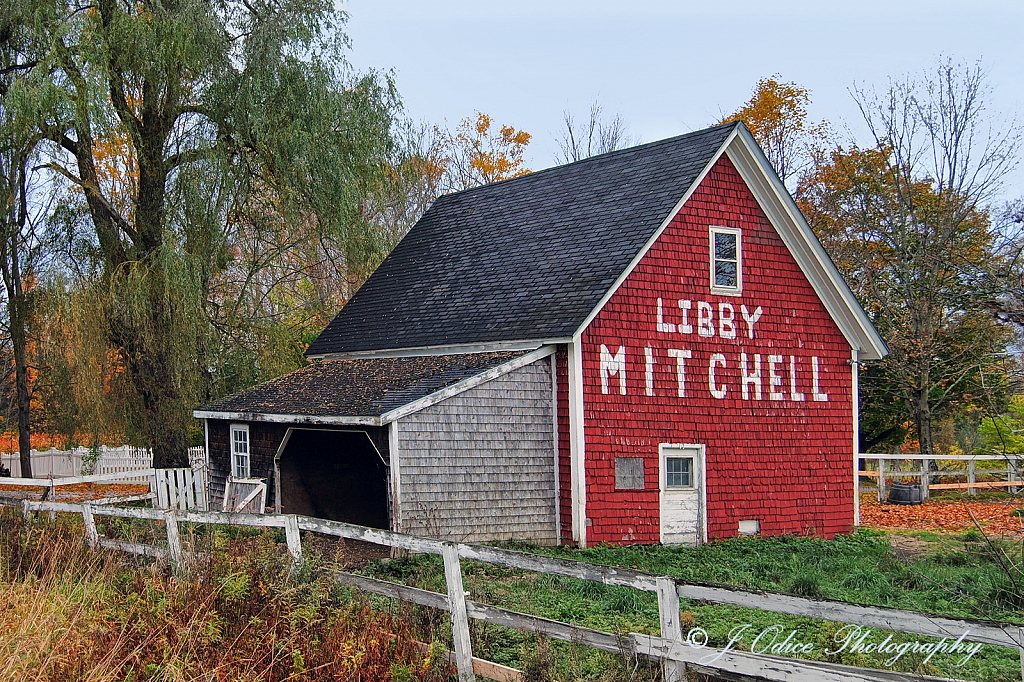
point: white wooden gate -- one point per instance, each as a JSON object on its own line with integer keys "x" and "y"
{"x": 248, "y": 495}
{"x": 180, "y": 489}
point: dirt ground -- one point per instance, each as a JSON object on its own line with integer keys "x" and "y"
{"x": 350, "y": 554}
{"x": 79, "y": 492}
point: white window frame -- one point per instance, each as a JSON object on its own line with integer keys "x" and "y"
{"x": 694, "y": 462}
{"x": 738, "y": 233}
{"x": 239, "y": 471}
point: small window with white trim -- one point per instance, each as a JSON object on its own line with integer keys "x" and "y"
{"x": 678, "y": 472}
{"x": 240, "y": 451}
{"x": 726, "y": 247}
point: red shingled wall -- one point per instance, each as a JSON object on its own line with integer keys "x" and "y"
{"x": 787, "y": 464}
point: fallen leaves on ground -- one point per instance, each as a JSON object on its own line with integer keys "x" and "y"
{"x": 79, "y": 492}
{"x": 945, "y": 515}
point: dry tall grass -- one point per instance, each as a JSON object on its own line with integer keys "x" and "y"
{"x": 69, "y": 613}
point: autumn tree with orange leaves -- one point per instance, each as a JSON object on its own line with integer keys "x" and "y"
{"x": 477, "y": 153}
{"x": 907, "y": 220}
{"x": 777, "y": 117}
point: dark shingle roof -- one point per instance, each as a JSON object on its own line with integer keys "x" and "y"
{"x": 358, "y": 388}
{"x": 524, "y": 259}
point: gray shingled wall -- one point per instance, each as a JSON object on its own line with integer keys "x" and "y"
{"x": 480, "y": 466}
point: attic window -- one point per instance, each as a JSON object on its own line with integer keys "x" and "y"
{"x": 726, "y": 260}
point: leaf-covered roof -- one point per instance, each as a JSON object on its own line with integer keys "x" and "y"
{"x": 364, "y": 387}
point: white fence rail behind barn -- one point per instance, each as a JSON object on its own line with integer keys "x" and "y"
{"x": 887, "y": 467}
{"x": 112, "y": 460}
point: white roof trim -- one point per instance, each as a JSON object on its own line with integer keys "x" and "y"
{"x": 801, "y": 241}
{"x": 466, "y": 384}
{"x": 286, "y": 418}
{"x": 657, "y": 235}
{"x": 795, "y": 233}
{"x": 454, "y": 349}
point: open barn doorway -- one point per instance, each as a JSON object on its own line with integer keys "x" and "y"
{"x": 336, "y": 475}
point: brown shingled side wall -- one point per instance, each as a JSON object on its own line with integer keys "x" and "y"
{"x": 264, "y": 440}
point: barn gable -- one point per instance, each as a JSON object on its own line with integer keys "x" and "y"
{"x": 759, "y": 378}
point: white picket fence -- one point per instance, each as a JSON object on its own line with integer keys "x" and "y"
{"x": 66, "y": 463}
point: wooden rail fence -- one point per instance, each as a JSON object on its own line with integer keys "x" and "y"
{"x": 675, "y": 653}
{"x": 883, "y": 474}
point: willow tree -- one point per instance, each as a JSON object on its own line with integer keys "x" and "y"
{"x": 18, "y": 148}
{"x": 251, "y": 100}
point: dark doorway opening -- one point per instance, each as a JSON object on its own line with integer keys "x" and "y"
{"x": 336, "y": 475}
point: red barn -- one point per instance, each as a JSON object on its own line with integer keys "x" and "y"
{"x": 644, "y": 346}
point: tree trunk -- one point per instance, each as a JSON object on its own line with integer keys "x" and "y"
{"x": 165, "y": 424}
{"x": 17, "y": 303}
{"x": 19, "y": 314}
{"x": 147, "y": 345}
{"x": 923, "y": 420}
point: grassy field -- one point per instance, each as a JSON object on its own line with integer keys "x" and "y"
{"x": 68, "y": 613}
{"x": 950, "y": 575}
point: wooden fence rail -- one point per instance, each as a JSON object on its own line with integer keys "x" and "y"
{"x": 883, "y": 474}
{"x": 670, "y": 647}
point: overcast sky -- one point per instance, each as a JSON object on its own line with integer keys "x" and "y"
{"x": 669, "y": 67}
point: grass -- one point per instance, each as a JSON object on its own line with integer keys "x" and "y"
{"x": 68, "y": 613}
{"x": 956, "y": 576}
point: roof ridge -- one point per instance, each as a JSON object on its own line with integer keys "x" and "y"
{"x": 591, "y": 159}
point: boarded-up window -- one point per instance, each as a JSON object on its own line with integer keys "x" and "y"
{"x": 629, "y": 473}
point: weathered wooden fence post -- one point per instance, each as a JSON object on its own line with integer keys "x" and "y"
{"x": 926, "y": 477}
{"x": 91, "y": 535}
{"x": 881, "y": 480}
{"x": 972, "y": 478}
{"x": 668, "y": 610}
{"x": 1020, "y": 638}
{"x": 173, "y": 539}
{"x": 25, "y": 511}
{"x": 51, "y": 494}
{"x": 291, "y": 536}
{"x": 457, "y": 606}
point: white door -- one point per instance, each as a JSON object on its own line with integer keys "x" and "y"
{"x": 682, "y": 494}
